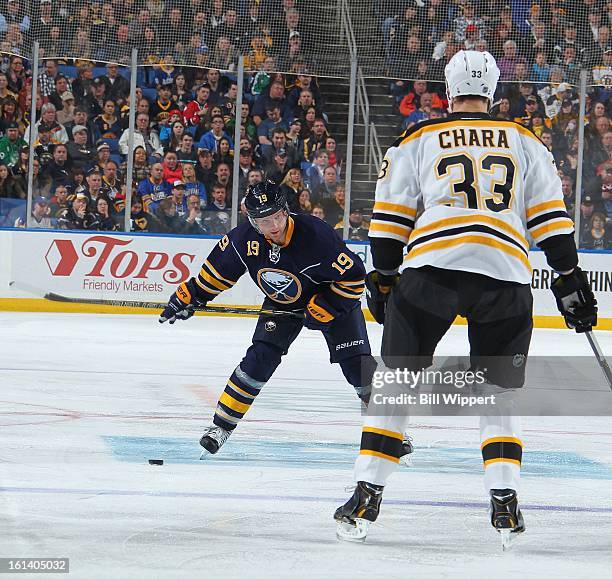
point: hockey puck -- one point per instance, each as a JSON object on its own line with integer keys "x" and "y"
{"x": 157, "y": 461}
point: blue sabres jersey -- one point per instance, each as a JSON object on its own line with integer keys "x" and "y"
{"x": 312, "y": 261}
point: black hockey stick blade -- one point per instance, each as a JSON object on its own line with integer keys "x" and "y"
{"x": 601, "y": 360}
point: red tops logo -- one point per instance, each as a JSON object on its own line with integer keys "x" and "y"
{"x": 108, "y": 258}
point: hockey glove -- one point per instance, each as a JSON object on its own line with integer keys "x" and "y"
{"x": 181, "y": 305}
{"x": 378, "y": 290}
{"x": 575, "y": 300}
{"x": 319, "y": 314}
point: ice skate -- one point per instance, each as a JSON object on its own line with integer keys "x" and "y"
{"x": 506, "y": 517}
{"x": 355, "y": 516}
{"x": 407, "y": 450}
{"x": 213, "y": 439}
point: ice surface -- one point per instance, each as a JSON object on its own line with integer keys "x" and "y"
{"x": 86, "y": 400}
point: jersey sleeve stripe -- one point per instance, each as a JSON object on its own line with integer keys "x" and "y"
{"x": 546, "y": 217}
{"x": 344, "y": 294}
{"x": 542, "y": 207}
{"x": 451, "y": 232}
{"x": 405, "y": 221}
{"x": 349, "y": 283}
{"x": 557, "y": 227}
{"x": 350, "y": 289}
{"x": 217, "y": 274}
{"x": 383, "y": 206}
{"x": 391, "y": 231}
{"x": 206, "y": 287}
{"x": 445, "y": 244}
{"x": 472, "y": 220}
{"x": 213, "y": 281}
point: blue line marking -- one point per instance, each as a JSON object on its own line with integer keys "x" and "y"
{"x": 336, "y": 455}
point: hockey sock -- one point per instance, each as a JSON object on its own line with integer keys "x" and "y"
{"x": 240, "y": 392}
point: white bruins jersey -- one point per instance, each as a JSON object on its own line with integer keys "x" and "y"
{"x": 482, "y": 183}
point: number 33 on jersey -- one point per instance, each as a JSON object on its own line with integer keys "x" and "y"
{"x": 483, "y": 185}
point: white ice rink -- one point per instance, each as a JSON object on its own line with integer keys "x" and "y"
{"x": 85, "y": 400}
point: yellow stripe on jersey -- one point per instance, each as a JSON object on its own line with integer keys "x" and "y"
{"x": 488, "y": 124}
{"x": 206, "y": 287}
{"x": 347, "y": 292}
{"x": 389, "y": 433}
{"x": 382, "y": 206}
{"x": 209, "y": 279}
{"x": 545, "y": 207}
{"x": 470, "y": 220}
{"x": 350, "y": 283}
{"x": 444, "y": 244}
{"x": 502, "y": 439}
{"x": 401, "y": 231}
{"x": 217, "y": 274}
{"x": 562, "y": 223}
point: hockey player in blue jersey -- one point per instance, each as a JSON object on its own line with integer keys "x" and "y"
{"x": 301, "y": 265}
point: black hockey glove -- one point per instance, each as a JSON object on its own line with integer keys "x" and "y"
{"x": 181, "y": 305}
{"x": 575, "y": 300}
{"x": 378, "y": 290}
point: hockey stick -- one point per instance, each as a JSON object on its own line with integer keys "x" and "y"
{"x": 155, "y": 305}
{"x": 601, "y": 360}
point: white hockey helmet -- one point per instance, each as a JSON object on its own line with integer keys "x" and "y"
{"x": 470, "y": 72}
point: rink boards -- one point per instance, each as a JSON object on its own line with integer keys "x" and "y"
{"x": 147, "y": 268}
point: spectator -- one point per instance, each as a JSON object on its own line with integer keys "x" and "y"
{"x": 291, "y": 186}
{"x": 9, "y": 187}
{"x": 154, "y": 188}
{"x": 59, "y": 201}
{"x": 204, "y": 170}
{"x": 314, "y": 175}
{"x": 44, "y": 145}
{"x": 275, "y": 96}
{"x": 219, "y": 198}
{"x": 117, "y": 87}
{"x": 192, "y": 185}
{"x": 58, "y": 168}
{"x": 5, "y": 91}
{"x": 224, "y": 55}
{"x": 172, "y": 170}
{"x": 422, "y": 113}
{"x": 78, "y": 215}
{"x": 186, "y": 152}
{"x": 192, "y": 222}
{"x": 66, "y": 113}
{"x": 61, "y": 87}
{"x": 293, "y": 137}
{"x": 10, "y": 145}
{"x": 102, "y": 214}
{"x": 333, "y": 158}
{"x": 41, "y": 215}
{"x": 594, "y": 236}
{"x": 224, "y": 152}
{"x": 107, "y": 124}
{"x": 304, "y": 203}
{"x": 316, "y": 140}
{"x": 327, "y": 188}
{"x": 49, "y": 121}
{"x": 94, "y": 102}
{"x": 271, "y": 123}
{"x": 318, "y": 211}
{"x": 179, "y": 198}
{"x": 167, "y": 216}
{"x": 210, "y": 140}
{"x": 277, "y": 169}
{"x": 81, "y": 86}
{"x": 15, "y": 74}
{"x": 47, "y": 77}
{"x": 143, "y": 137}
{"x": 170, "y": 135}
{"x": 334, "y": 208}
{"x": 508, "y": 61}
{"x": 140, "y": 166}
{"x": 250, "y": 129}
{"x": 102, "y": 155}
{"x": 81, "y": 119}
{"x": 142, "y": 222}
{"x": 111, "y": 183}
{"x": 223, "y": 174}
{"x": 357, "y": 230}
{"x": 196, "y": 110}
{"x": 181, "y": 94}
{"x": 163, "y": 105}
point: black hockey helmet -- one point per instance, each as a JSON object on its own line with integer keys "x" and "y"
{"x": 263, "y": 199}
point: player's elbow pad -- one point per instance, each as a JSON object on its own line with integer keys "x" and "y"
{"x": 560, "y": 251}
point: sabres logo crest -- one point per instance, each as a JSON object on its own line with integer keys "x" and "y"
{"x": 281, "y": 286}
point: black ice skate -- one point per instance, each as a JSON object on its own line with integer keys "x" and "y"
{"x": 213, "y": 439}
{"x": 355, "y": 516}
{"x": 506, "y": 517}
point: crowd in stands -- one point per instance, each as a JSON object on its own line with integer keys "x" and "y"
{"x": 185, "y": 118}
{"x": 540, "y": 48}
{"x": 186, "y": 114}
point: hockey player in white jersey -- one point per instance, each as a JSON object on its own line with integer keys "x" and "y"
{"x": 484, "y": 184}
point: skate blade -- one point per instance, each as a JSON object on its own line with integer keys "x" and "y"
{"x": 507, "y": 539}
{"x": 406, "y": 460}
{"x": 356, "y": 533}
{"x": 205, "y": 455}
